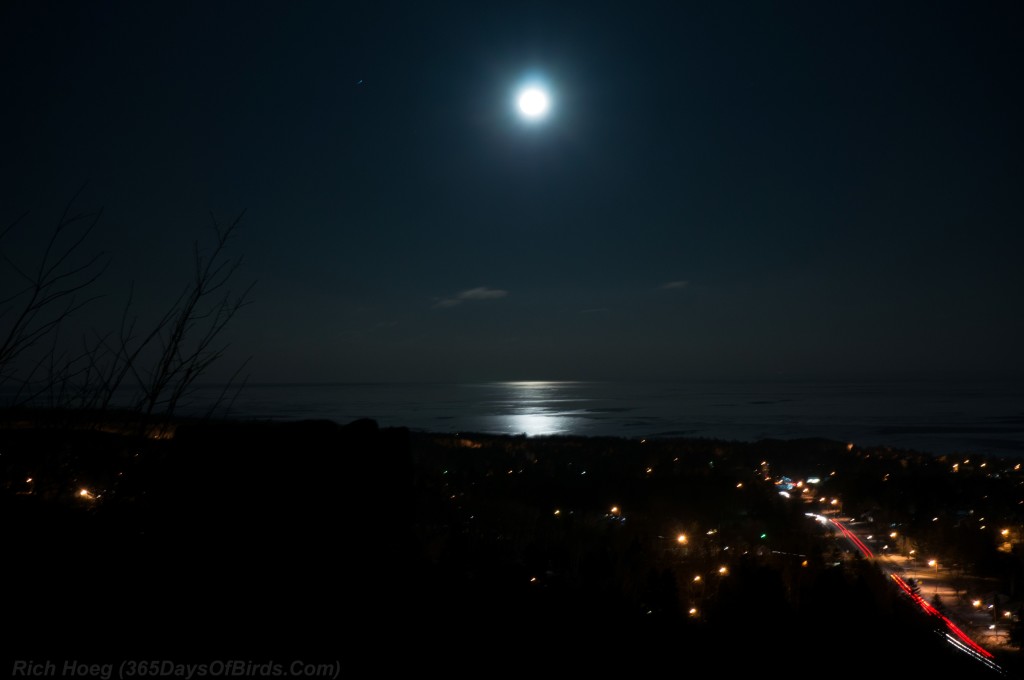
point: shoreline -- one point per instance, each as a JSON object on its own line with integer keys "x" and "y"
{"x": 939, "y": 417}
{"x": 132, "y": 424}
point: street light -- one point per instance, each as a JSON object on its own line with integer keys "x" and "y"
{"x": 935, "y": 563}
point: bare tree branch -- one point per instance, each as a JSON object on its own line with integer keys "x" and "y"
{"x": 164, "y": 362}
{"x": 51, "y": 294}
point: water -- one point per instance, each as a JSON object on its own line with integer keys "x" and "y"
{"x": 936, "y": 417}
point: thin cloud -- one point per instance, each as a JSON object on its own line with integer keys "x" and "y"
{"x": 480, "y": 293}
{"x": 674, "y": 285}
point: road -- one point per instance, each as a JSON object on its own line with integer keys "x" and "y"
{"x": 932, "y": 581}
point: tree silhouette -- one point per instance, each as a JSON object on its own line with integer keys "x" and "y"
{"x": 188, "y": 332}
{"x": 164, "y": 362}
{"x": 49, "y": 294}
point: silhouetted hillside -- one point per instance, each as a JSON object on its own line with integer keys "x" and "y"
{"x": 467, "y": 553}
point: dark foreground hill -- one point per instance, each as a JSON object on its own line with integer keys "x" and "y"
{"x": 383, "y": 550}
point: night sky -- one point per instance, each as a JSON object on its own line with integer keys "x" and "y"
{"x": 720, "y": 189}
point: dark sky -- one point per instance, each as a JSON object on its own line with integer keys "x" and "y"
{"x": 722, "y": 189}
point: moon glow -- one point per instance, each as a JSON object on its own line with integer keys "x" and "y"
{"x": 533, "y": 103}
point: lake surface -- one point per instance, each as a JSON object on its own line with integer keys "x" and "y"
{"x": 933, "y": 416}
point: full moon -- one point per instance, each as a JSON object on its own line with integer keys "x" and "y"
{"x": 533, "y": 102}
